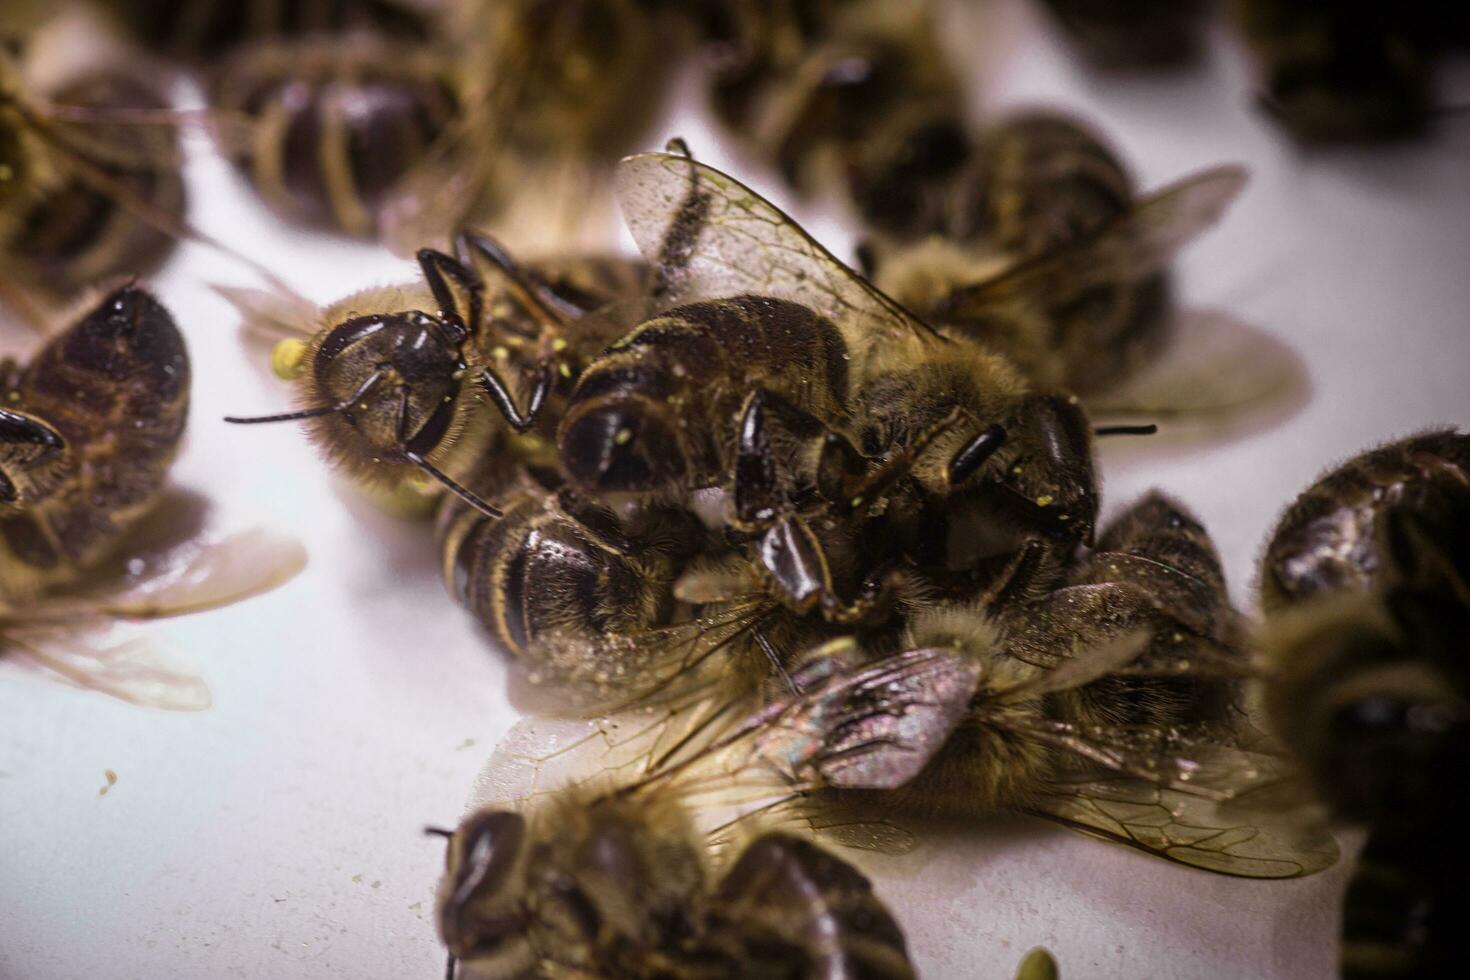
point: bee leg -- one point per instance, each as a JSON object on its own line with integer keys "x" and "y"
{"x": 494, "y": 386}
{"x": 765, "y": 418}
{"x": 455, "y": 288}
{"x": 897, "y": 463}
{"x": 25, "y": 441}
{"x": 973, "y": 454}
{"x": 543, "y": 302}
{"x": 599, "y": 523}
{"x": 775, "y": 658}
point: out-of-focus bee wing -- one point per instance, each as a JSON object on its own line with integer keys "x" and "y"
{"x": 1217, "y": 375}
{"x": 448, "y": 188}
{"x": 1191, "y": 829}
{"x": 132, "y": 671}
{"x": 268, "y": 316}
{"x": 1136, "y": 245}
{"x": 707, "y": 235}
{"x": 201, "y": 576}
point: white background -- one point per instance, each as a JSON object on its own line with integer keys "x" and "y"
{"x": 278, "y": 833}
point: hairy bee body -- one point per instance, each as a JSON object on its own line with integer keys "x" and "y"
{"x": 657, "y": 411}
{"x": 206, "y": 28}
{"x": 620, "y": 885}
{"x": 68, "y": 217}
{"x": 113, "y": 392}
{"x": 338, "y": 122}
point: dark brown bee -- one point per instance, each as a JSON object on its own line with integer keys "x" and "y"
{"x": 574, "y": 593}
{"x": 1125, "y": 34}
{"x": 87, "y": 535}
{"x": 83, "y": 195}
{"x": 1049, "y": 257}
{"x": 1334, "y": 72}
{"x": 852, "y": 374}
{"x": 336, "y": 123}
{"x": 393, "y": 378}
{"x": 1367, "y": 590}
{"x": 619, "y": 887}
{"x": 197, "y": 30}
{"x": 94, "y": 422}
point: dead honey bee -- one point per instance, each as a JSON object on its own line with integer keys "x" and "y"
{"x": 335, "y": 124}
{"x": 1333, "y": 72}
{"x": 1367, "y": 591}
{"x": 835, "y": 361}
{"x": 392, "y": 379}
{"x": 1049, "y": 257}
{"x": 198, "y": 30}
{"x": 1124, "y": 34}
{"x": 92, "y": 423}
{"x": 83, "y": 194}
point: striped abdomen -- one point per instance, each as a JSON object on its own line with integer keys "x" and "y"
{"x": 115, "y": 389}
{"x": 85, "y": 227}
{"x": 1327, "y": 540}
{"x": 658, "y": 410}
{"x": 337, "y": 123}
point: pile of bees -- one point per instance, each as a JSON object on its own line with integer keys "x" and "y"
{"x": 820, "y": 548}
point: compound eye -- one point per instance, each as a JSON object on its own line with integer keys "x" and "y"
{"x": 484, "y": 852}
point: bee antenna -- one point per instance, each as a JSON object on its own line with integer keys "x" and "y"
{"x": 311, "y": 413}
{"x": 453, "y": 486}
{"x": 449, "y": 967}
{"x": 1126, "y": 430}
{"x": 438, "y": 832}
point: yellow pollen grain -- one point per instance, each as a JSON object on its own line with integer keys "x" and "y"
{"x": 288, "y": 359}
{"x": 623, "y": 437}
{"x": 1045, "y": 500}
{"x": 499, "y": 352}
{"x": 1016, "y": 470}
{"x": 857, "y": 501}
{"x": 559, "y": 344}
{"x": 566, "y": 372}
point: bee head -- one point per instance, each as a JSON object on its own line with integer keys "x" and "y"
{"x": 481, "y": 898}
{"x": 617, "y": 443}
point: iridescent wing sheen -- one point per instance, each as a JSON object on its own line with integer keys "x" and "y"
{"x": 708, "y": 236}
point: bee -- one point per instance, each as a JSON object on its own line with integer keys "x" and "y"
{"x": 1051, "y": 258}
{"x": 1367, "y": 593}
{"x": 90, "y": 426}
{"x": 335, "y": 124}
{"x": 83, "y": 194}
{"x": 636, "y": 871}
{"x": 574, "y": 592}
{"x": 1132, "y": 34}
{"x": 392, "y": 379}
{"x": 1340, "y": 72}
{"x": 856, "y": 377}
{"x": 196, "y": 31}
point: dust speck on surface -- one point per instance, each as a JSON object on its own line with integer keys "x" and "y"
{"x": 468, "y": 743}
{"x": 377, "y": 884}
{"x": 111, "y": 778}
{"x": 357, "y": 879}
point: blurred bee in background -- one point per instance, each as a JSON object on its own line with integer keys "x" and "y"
{"x": 393, "y": 379}
{"x": 91, "y": 425}
{"x": 195, "y": 30}
{"x": 1050, "y": 257}
{"x": 852, "y": 94}
{"x": 1132, "y": 34}
{"x": 1342, "y": 72}
{"x": 1367, "y": 593}
{"x": 84, "y": 193}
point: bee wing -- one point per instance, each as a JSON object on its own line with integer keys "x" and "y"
{"x": 708, "y": 235}
{"x": 132, "y": 671}
{"x": 1187, "y": 798}
{"x": 1217, "y": 375}
{"x": 1136, "y": 245}
{"x": 199, "y": 576}
{"x": 1192, "y": 830}
{"x": 268, "y": 316}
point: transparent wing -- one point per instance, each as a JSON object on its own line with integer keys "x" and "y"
{"x": 1218, "y": 377}
{"x": 268, "y": 316}
{"x": 708, "y": 235}
{"x": 133, "y": 671}
{"x": 1135, "y": 246}
{"x": 1190, "y": 829}
{"x": 199, "y": 576}
{"x": 1187, "y": 799}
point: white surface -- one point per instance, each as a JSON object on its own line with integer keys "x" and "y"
{"x": 277, "y": 834}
